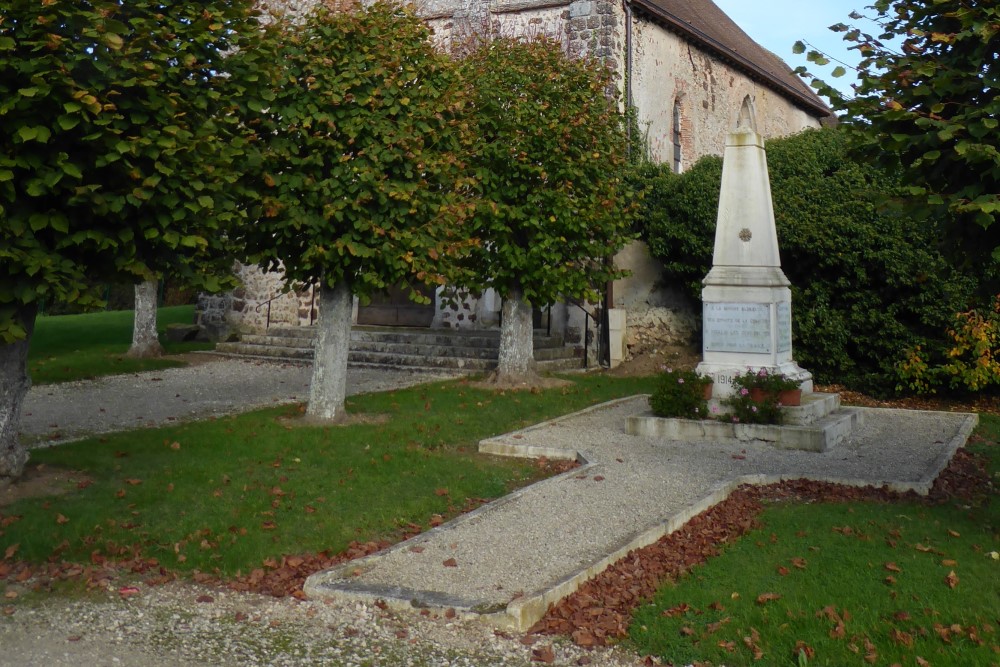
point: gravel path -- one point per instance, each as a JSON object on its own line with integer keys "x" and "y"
{"x": 182, "y": 624}
{"x": 214, "y": 386}
{"x": 514, "y": 557}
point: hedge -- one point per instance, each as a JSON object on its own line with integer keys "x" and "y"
{"x": 867, "y": 284}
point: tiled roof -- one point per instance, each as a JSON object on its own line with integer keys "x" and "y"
{"x": 705, "y": 24}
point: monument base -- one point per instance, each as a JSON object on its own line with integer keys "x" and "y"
{"x": 817, "y": 426}
{"x": 723, "y": 372}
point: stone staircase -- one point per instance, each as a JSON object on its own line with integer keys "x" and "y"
{"x": 397, "y": 347}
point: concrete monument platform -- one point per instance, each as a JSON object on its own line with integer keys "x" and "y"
{"x": 815, "y": 426}
{"x": 506, "y": 562}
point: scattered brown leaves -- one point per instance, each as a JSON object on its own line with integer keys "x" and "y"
{"x": 603, "y": 606}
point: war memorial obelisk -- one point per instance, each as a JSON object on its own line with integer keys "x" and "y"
{"x": 746, "y": 301}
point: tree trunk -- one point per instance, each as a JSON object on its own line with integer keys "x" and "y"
{"x": 329, "y": 377}
{"x": 145, "y": 343}
{"x": 14, "y": 385}
{"x": 517, "y": 347}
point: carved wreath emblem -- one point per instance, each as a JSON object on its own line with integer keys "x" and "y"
{"x": 745, "y": 235}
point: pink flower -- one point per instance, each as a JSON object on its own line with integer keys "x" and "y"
{"x": 680, "y": 380}
{"x": 735, "y": 419}
{"x": 754, "y": 408}
{"x": 744, "y": 391}
{"x": 762, "y": 373}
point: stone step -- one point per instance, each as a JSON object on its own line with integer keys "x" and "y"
{"x": 462, "y": 350}
{"x": 448, "y": 337}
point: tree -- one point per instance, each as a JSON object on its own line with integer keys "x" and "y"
{"x": 548, "y": 159}
{"x": 145, "y": 342}
{"x": 926, "y": 102}
{"x": 114, "y": 153}
{"x": 361, "y": 144}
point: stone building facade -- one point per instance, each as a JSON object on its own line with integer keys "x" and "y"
{"x": 682, "y": 65}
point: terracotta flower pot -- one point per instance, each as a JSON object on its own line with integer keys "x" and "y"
{"x": 758, "y": 395}
{"x": 790, "y": 397}
{"x": 708, "y": 390}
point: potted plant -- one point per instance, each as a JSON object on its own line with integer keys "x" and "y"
{"x": 758, "y": 396}
{"x": 681, "y": 394}
{"x": 763, "y": 386}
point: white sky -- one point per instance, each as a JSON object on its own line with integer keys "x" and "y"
{"x": 778, "y": 24}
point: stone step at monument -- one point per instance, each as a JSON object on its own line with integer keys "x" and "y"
{"x": 818, "y": 425}
{"x": 462, "y": 350}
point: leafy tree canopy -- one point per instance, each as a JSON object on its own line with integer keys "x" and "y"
{"x": 113, "y": 144}
{"x": 926, "y": 102}
{"x": 361, "y": 148}
{"x": 549, "y": 160}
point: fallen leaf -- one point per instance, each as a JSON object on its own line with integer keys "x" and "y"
{"x": 128, "y": 591}
{"x": 133, "y": 481}
{"x": 11, "y": 550}
{"x": 947, "y": 562}
{"x": 60, "y": 519}
{"x": 204, "y": 598}
{"x": 450, "y": 612}
{"x": 801, "y": 648}
{"x": 951, "y": 579}
{"x": 782, "y": 570}
{"x": 892, "y": 567}
{"x": 543, "y": 654}
{"x": 900, "y": 637}
{"x": 268, "y": 525}
{"x": 440, "y": 492}
{"x": 954, "y": 533}
{"x": 598, "y": 478}
{"x": 799, "y": 563}
{"x": 922, "y": 663}
{"x": 436, "y": 520}
{"x": 764, "y": 598}
{"x": 676, "y": 611}
{"x": 451, "y": 562}
{"x": 417, "y": 549}
{"x": 686, "y": 631}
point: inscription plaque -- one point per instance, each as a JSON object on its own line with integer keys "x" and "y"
{"x": 737, "y": 327}
{"x": 784, "y": 317}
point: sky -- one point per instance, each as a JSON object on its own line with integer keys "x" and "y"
{"x": 778, "y": 24}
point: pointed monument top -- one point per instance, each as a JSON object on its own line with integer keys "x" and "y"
{"x": 747, "y": 120}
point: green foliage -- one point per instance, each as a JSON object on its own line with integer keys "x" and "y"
{"x": 115, "y": 145}
{"x": 680, "y": 394}
{"x": 970, "y": 362}
{"x": 209, "y": 502}
{"x": 550, "y": 150}
{"x": 867, "y": 284}
{"x": 360, "y": 138}
{"x": 677, "y": 219}
{"x": 926, "y": 102}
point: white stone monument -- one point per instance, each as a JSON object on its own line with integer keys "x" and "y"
{"x": 747, "y": 304}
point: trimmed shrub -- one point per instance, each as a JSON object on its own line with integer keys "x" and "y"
{"x": 867, "y": 284}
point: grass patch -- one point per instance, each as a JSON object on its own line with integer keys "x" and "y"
{"x": 843, "y": 584}
{"x": 226, "y": 494}
{"x": 77, "y": 347}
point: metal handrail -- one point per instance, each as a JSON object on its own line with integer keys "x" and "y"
{"x": 268, "y": 304}
{"x": 586, "y": 329}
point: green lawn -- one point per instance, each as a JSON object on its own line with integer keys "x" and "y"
{"x": 843, "y": 584}
{"x": 227, "y": 494}
{"x": 74, "y": 347}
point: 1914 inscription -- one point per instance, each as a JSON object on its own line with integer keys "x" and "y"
{"x": 737, "y": 327}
